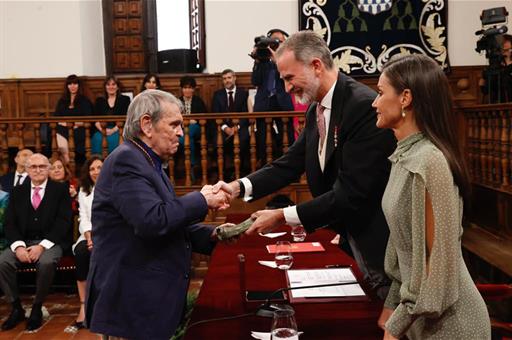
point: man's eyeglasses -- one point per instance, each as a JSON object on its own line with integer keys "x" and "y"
{"x": 41, "y": 167}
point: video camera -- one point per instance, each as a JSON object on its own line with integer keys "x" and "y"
{"x": 496, "y": 77}
{"x": 489, "y": 41}
{"x": 261, "y": 44}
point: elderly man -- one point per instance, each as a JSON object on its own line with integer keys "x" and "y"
{"x": 17, "y": 177}
{"x": 37, "y": 227}
{"x": 342, "y": 152}
{"x": 143, "y": 233}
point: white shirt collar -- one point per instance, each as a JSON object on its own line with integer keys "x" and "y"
{"x": 327, "y": 99}
{"x": 42, "y": 185}
{"x": 233, "y": 89}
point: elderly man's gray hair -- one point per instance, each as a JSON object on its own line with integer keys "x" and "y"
{"x": 307, "y": 45}
{"x": 146, "y": 103}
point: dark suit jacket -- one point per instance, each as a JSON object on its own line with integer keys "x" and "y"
{"x": 54, "y": 212}
{"x": 262, "y": 102}
{"x": 220, "y": 104}
{"x": 101, "y": 108}
{"x": 348, "y": 193}
{"x": 143, "y": 238}
{"x": 7, "y": 182}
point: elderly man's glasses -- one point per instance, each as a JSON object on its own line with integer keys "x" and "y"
{"x": 41, "y": 167}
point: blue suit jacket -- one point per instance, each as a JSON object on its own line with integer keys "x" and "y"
{"x": 143, "y": 237}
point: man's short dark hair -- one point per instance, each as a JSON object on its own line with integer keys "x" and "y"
{"x": 277, "y": 30}
{"x": 228, "y": 70}
{"x": 187, "y": 81}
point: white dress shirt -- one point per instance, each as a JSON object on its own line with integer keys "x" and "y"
{"x": 85, "y": 209}
{"x": 290, "y": 213}
{"x": 22, "y": 179}
{"x": 227, "y": 101}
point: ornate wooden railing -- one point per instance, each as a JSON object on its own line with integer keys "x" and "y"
{"x": 489, "y": 145}
{"x": 26, "y": 132}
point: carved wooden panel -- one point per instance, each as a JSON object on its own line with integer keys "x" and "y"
{"x": 135, "y": 26}
{"x": 127, "y": 42}
{"x": 120, "y": 26}
{"x": 120, "y": 8}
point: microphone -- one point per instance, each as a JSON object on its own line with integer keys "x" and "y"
{"x": 267, "y": 310}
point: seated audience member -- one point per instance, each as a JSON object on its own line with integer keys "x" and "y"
{"x": 432, "y": 294}
{"x": 72, "y": 103}
{"x": 37, "y": 225}
{"x": 4, "y": 200}
{"x": 233, "y": 99}
{"x": 17, "y": 177}
{"x": 112, "y": 104}
{"x": 60, "y": 172}
{"x": 150, "y": 82}
{"x": 192, "y": 104}
{"x": 83, "y": 246}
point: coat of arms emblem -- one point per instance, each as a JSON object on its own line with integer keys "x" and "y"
{"x": 374, "y": 6}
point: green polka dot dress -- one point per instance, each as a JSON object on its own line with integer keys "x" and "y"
{"x": 442, "y": 303}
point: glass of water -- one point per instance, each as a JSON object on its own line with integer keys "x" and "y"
{"x": 283, "y": 257}
{"x": 284, "y": 325}
{"x": 298, "y": 233}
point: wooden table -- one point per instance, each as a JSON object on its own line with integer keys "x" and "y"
{"x": 220, "y": 294}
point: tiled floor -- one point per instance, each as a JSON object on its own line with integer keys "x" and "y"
{"x": 62, "y": 309}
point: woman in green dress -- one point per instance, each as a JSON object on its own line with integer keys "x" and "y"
{"x": 432, "y": 295}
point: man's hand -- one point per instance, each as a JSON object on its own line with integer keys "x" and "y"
{"x": 266, "y": 221}
{"x": 230, "y": 240}
{"x": 218, "y": 200}
{"x": 88, "y": 239}
{"x": 34, "y": 252}
{"x": 22, "y": 255}
{"x": 229, "y": 131}
{"x": 232, "y": 188}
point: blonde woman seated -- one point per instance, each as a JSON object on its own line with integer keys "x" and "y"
{"x": 83, "y": 246}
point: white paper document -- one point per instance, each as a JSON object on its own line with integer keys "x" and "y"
{"x": 312, "y": 277}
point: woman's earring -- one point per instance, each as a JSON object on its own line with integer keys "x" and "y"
{"x": 403, "y": 113}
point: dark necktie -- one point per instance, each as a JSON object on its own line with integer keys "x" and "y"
{"x": 18, "y": 181}
{"x": 231, "y": 102}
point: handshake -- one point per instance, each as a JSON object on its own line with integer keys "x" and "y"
{"x": 219, "y": 197}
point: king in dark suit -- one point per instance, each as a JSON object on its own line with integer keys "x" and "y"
{"x": 38, "y": 228}
{"x": 233, "y": 99}
{"x": 342, "y": 152}
{"x": 143, "y": 233}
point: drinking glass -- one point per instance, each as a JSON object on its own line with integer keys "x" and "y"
{"x": 298, "y": 233}
{"x": 284, "y": 325}
{"x": 283, "y": 257}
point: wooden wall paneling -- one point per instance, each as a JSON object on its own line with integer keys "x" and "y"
{"x": 134, "y": 26}
{"x": 9, "y": 99}
{"x": 16, "y": 104}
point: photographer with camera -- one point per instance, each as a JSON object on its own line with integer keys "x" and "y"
{"x": 496, "y": 82}
{"x": 271, "y": 94}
